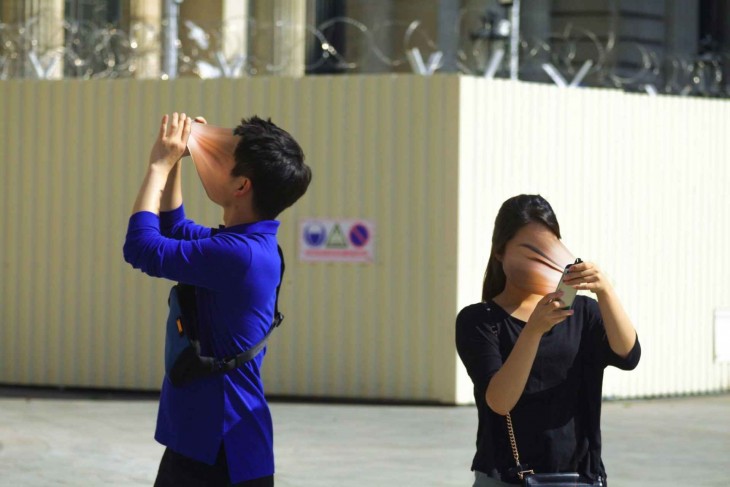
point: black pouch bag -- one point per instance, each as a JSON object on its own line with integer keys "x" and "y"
{"x": 183, "y": 361}
{"x": 571, "y": 479}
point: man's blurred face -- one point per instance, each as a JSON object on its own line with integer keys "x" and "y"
{"x": 212, "y": 150}
{"x": 534, "y": 259}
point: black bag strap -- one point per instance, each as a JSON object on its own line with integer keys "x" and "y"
{"x": 224, "y": 365}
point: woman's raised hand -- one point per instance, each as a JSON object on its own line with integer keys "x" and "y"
{"x": 548, "y": 313}
{"x": 586, "y": 276}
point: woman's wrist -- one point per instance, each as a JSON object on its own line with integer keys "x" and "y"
{"x": 531, "y": 332}
{"x": 605, "y": 292}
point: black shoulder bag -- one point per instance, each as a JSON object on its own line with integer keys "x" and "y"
{"x": 529, "y": 478}
{"x": 183, "y": 361}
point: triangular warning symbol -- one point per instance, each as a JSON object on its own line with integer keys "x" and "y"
{"x": 336, "y": 238}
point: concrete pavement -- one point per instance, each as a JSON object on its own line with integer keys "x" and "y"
{"x": 88, "y": 439}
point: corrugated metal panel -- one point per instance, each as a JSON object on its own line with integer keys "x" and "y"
{"x": 382, "y": 148}
{"x": 639, "y": 184}
{"x": 371, "y": 331}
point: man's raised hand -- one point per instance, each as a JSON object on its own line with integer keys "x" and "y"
{"x": 172, "y": 141}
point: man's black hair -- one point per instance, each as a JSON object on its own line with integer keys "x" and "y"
{"x": 274, "y": 162}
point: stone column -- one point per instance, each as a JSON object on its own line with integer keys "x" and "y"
{"x": 41, "y": 55}
{"x": 235, "y": 28}
{"x": 225, "y": 22}
{"x": 277, "y": 38}
{"x": 144, "y": 20}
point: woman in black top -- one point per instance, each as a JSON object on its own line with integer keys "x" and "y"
{"x": 541, "y": 364}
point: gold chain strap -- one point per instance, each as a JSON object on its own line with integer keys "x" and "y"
{"x": 510, "y": 430}
{"x": 513, "y": 443}
{"x": 512, "y": 440}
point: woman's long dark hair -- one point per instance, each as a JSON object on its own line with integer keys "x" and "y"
{"x": 514, "y": 214}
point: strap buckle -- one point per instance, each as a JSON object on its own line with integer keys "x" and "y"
{"x": 223, "y": 364}
{"x": 521, "y": 474}
{"x": 278, "y": 318}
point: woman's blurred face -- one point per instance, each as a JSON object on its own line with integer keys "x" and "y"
{"x": 534, "y": 259}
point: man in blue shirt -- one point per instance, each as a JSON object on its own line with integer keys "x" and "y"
{"x": 218, "y": 429}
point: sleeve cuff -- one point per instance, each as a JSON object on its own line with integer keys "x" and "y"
{"x": 632, "y": 359}
{"x": 144, "y": 219}
{"x": 170, "y": 218}
{"x": 625, "y": 363}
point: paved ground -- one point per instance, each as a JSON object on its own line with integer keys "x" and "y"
{"x": 82, "y": 440}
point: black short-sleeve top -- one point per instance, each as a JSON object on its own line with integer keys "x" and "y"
{"x": 557, "y": 419}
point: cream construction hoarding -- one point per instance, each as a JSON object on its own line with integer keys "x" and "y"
{"x": 639, "y": 184}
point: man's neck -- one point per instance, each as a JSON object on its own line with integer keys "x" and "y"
{"x": 233, "y": 216}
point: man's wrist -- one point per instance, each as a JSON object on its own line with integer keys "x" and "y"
{"x": 160, "y": 168}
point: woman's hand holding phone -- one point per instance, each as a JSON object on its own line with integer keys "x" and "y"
{"x": 569, "y": 292}
{"x": 587, "y": 276}
{"x": 548, "y": 313}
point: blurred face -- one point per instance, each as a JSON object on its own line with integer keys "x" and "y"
{"x": 534, "y": 259}
{"x": 212, "y": 151}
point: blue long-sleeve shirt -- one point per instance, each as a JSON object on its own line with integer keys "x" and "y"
{"x": 236, "y": 270}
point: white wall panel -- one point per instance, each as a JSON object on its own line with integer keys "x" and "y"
{"x": 640, "y": 186}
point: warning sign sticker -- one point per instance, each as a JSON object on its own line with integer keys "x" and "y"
{"x": 325, "y": 240}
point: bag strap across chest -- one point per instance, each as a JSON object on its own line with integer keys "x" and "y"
{"x": 188, "y": 307}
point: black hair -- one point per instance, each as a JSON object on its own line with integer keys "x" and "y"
{"x": 274, "y": 162}
{"x": 514, "y": 214}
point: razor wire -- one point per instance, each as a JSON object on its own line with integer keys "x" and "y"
{"x": 571, "y": 57}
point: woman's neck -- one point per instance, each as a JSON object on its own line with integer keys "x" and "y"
{"x": 517, "y": 302}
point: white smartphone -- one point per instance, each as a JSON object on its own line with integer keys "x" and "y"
{"x": 569, "y": 292}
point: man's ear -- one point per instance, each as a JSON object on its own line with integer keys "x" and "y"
{"x": 243, "y": 186}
